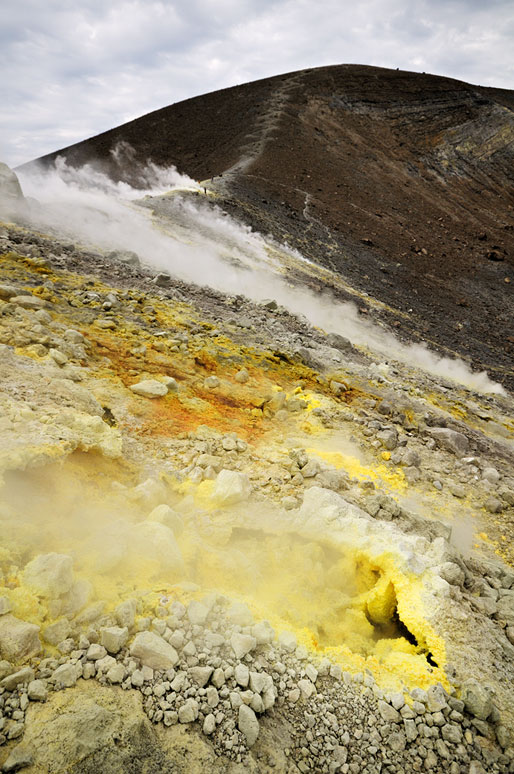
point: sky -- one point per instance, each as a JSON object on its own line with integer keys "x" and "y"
{"x": 74, "y": 68}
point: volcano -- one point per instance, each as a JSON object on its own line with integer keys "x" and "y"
{"x": 402, "y": 183}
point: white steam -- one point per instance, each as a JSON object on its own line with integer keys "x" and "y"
{"x": 203, "y": 245}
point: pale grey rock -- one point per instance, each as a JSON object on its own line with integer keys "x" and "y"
{"x": 287, "y": 641}
{"x": 19, "y": 758}
{"x": 37, "y": 690}
{"x": 242, "y": 675}
{"x": 209, "y": 724}
{"x": 154, "y": 651}
{"x": 211, "y": 382}
{"x": 149, "y": 388}
{"x": 231, "y": 487}
{"x": 201, "y": 675}
{"x": 411, "y": 730}
{"x": 25, "y": 675}
{"x": 66, "y": 675}
{"x": 450, "y": 440}
{"x": 388, "y": 713}
{"x": 248, "y": 724}
{"x": 197, "y": 612}
{"x": 114, "y": 638}
{"x": 436, "y": 698}
{"x": 116, "y": 674}
{"x": 307, "y": 688}
{"x": 95, "y": 652}
{"x": 5, "y": 605}
{"x": 477, "y": 699}
{"x": 19, "y": 640}
{"x": 388, "y": 439}
{"x": 242, "y": 644}
{"x": 188, "y": 712}
{"x": 57, "y": 632}
{"x": 242, "y": 376}
{"x": 263, "y": 633}
{"x": 50, "y": 575}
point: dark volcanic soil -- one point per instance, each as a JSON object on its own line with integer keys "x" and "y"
{"x": 402, "y": 183}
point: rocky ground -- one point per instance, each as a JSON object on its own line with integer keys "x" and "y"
{"x": 233, "y": 542}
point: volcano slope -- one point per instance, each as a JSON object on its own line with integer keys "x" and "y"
{"x": 231, "y": 540}
{"x": 400, "y": 182}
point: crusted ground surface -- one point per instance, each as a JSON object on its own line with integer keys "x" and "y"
{"x": 232, "y": 542}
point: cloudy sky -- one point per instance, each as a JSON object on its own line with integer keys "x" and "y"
{"x": 74, "y": 68}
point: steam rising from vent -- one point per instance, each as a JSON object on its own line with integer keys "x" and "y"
{"x": 202, "y": 244}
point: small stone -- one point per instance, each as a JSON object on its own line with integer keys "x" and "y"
{"x": 242, "y": 376}
{"x": 19, "y": 640}
{"x": 307, "y": 688}
{"x": 197, "y": 612}
{"x": 37, "y": 690}
{"x": 149, "y": 388}
{"x": 95, "y": 652}
{"x": 188, "y": 713}
{"x": 388, "y": 713}
{"x": 209, "y": 724}
{"x": 154, "y": 651}
{"x": 231, "y": 487}
{"x": 66, "y": 675}
{"x": 20, "y": 757}
{"x": 113, "y": 638}
{"x": 116, "y": 674}
{"x": 25, "y": 675}
{"x": 477, "y": 699}
{"x": 242, "y": 675}
{"x": 211, "y": 382}
{"x": 242, "y": 644}
{"x": 125, "y": 613}
{"x": 201, "y": 675}
{"x": 288, "y": 641}
{"x": 450, "y": 440}
{"x": 248, "y": 724}
{"x": 493, "y": 505}
{"x": 311, "y": 672}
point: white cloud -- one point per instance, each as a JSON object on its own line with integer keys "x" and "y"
{"x": 73, "y": 70}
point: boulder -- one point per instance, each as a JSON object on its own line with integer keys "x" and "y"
{"x": 154, "y": 651}
{"x": 450, "y": 440}
{"x": 19, "y": 640}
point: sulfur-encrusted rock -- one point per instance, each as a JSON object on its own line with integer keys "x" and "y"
{"x": 50, "y": 575}
{"x": 19, "y": 640}
{"x": 154, "y": 651}
{"x": 150, "y": 388}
